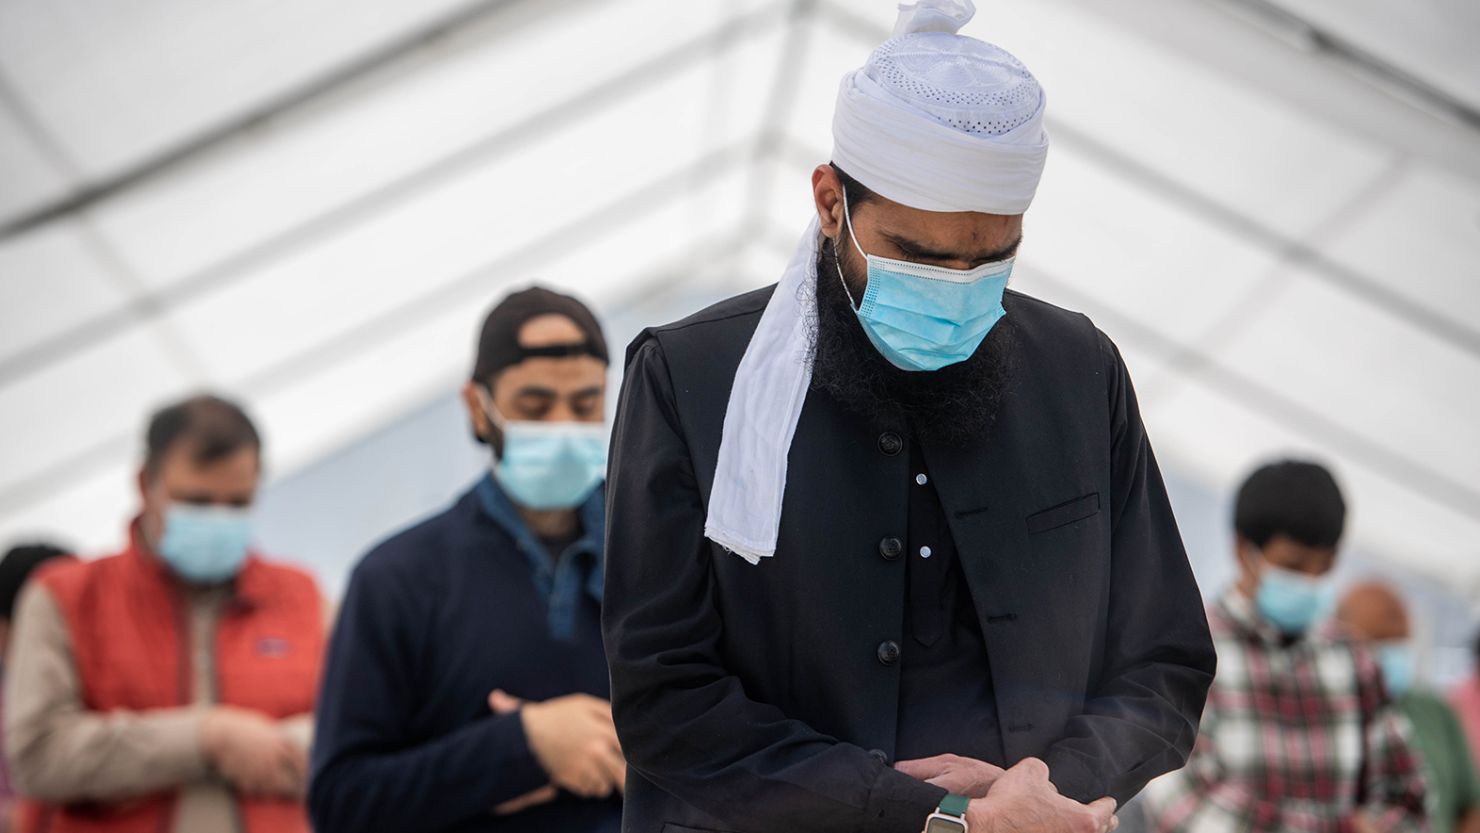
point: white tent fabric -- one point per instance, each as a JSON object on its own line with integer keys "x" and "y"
{"x": 1285, "y": 251}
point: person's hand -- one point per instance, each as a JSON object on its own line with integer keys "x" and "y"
{"x": 252, "y": 753}
{"x": 1024, "y": 801}
{"x": 533, "y": 798}
{"x": 962, "y": 776}
{"x": 1362, "y": 823}
{"x": 501, "y": 704}
{"x": 574, "y": 739}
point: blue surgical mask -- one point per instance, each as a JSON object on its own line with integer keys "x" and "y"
{"x": 1398, "y": 666}
{"x": 549, "y": 465}
{"x": 922, "y": 317}
{"x": 1293, "y": 601}
{"x": 205, "y": 544}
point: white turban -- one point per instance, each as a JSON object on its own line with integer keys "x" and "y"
{"x": 935, "y": 121}
{"x": 942, "y": 122}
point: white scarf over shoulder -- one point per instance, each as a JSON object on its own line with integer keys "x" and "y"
{"x": 935, "y": 121}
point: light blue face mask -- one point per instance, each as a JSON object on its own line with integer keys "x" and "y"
{"x": 205, "y": 544}
{"x": 1398, "y": 666}
{"x": 922, "y": 317}
{"x": 1294, "y": 601}
{"x": 549, "y": 465}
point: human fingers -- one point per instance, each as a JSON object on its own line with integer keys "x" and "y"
{"x": 543, "y": 795}
{"x": 615, "y": 767}
{"x": 501, "y": 702}
{"x": 925, "y": 769}
{"x": 1104, "y": 813}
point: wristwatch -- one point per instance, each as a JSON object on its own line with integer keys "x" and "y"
{"x": 950, "y": 817}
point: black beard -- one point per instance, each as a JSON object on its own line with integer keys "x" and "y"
{"x": 951, "y": 406}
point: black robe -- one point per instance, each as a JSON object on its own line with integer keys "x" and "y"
{"x": 756, "y": 699}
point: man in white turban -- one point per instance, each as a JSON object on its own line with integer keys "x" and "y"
{"x": 888, "y": 549}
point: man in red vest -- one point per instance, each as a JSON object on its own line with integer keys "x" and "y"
{"x": 170, "y": 686}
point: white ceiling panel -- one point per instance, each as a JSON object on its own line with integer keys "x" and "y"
{"x": 829, "y": 52}
{"x": 615, "y": 267}
{"x": 275, "y": 180}
{"x": 158, "y": 71}
{"x": 1421, "y": 239}
{"x": 50, "y": 282}
{"x": 1130, "y": 251}
{"x": 89, "y": 515}
{"x": 55, "y": 419}
{"x": 1190, "y": 123}
{"x": 1433, "y": 40}
{"x": 29, "y": 175}
{"x": 1368, "y": 371}
{"x": 284, "y": 308}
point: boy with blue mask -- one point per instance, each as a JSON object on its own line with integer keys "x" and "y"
{"x": 466, "y": 687}
{"x": 170, "y": 687}
{"x": 1297, "y": 734}
{"x": 1374, "y": 613}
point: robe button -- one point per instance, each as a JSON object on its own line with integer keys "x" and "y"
{"x": 880, "y": 755}
{"x": 888, "y": 652}
{"x": 890, "y": 443}
{"x": 891, "y": 548}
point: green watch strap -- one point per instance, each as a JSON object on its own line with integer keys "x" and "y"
{"x": 954, "y": 805}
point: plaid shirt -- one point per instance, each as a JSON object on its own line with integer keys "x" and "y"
{"x": 1297, "y": 737}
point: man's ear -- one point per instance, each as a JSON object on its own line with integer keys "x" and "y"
{"x": 827, "y": 194}
{"x": 477, "y": 416}
{"x": 1248, "y": 552}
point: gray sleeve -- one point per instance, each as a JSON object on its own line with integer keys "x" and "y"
{"x": 61, "y": 752}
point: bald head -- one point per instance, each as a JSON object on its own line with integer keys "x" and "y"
{"x": 1374, "y": 612}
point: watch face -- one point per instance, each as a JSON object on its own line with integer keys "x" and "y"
{"x": 944, "y": 824}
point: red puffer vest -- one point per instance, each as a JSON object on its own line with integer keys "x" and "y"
{"x": 130, "y": 639}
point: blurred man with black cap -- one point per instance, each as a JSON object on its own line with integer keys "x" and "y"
{"x": 466, "y": 687}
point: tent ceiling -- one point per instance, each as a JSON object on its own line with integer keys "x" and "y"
{"x": 1282, "y": 276}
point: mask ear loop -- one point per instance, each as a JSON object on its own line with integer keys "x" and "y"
{"x": 490, "y": 410}
{"x": 838, "y": 256}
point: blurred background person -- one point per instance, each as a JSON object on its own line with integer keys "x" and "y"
{"x": 169, "y": 687}
{"x": 1465, "y": 697}
{"x": 1297, "y": 735}
{"x": 15, "y": 567}
{"x": 466, "y": 688}
{"x": 1374, "y": 613}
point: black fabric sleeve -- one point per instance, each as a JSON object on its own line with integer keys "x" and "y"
{"x": 685, "y": 721}
{"x": 367, "y": 774}
{"x": 1142, "y": 718}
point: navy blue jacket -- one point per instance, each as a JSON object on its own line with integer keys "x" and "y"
{"x": 434, "y": 619}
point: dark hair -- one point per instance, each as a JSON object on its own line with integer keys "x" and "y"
{"x": 16, "y": 566}
{"x": 855, "y": 191}
{"x": 214, "y": 427}
{"x": 1294, "y": 498}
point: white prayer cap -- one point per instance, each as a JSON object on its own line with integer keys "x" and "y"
{"x": 940, "y": 121}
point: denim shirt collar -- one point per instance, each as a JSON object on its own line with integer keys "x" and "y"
{"x": 577, "y": 570}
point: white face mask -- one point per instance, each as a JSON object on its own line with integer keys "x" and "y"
{"x": 548, "y": 465}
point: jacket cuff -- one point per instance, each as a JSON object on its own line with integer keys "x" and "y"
{"x": 900, "y": 803}
{"x": 178, "y": 736}
{"x": 517, "y": 771}
{"x": 1073, "y": 776}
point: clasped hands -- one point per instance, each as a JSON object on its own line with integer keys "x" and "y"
{"x": 1020, "y": 800}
